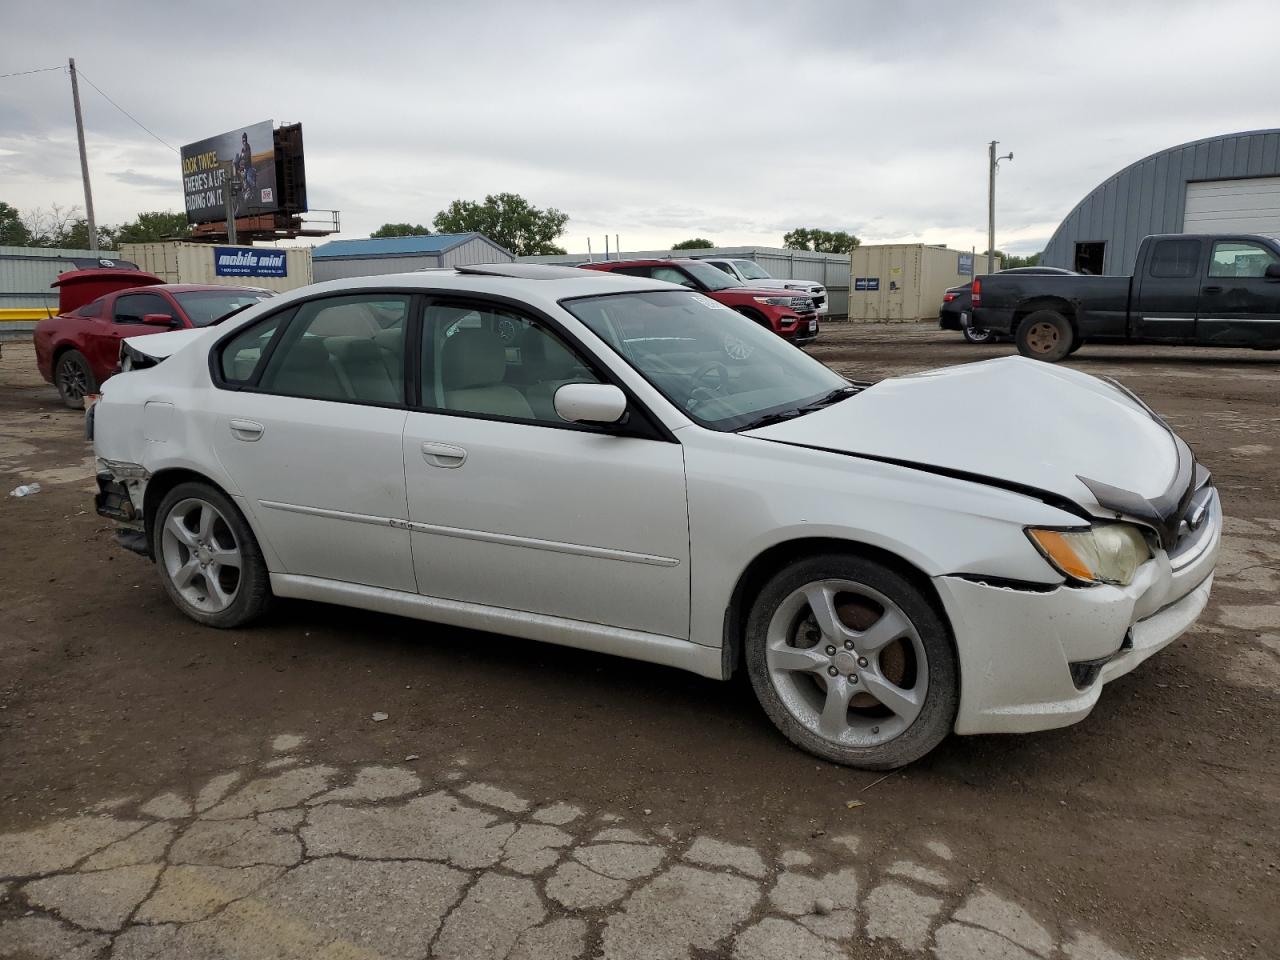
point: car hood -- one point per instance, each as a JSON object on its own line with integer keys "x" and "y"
{"x": 801, "y": 286}
{"x": 1012, "y": 421}
{"x": 759, "y": 288}
{"x": 158, "y": 346}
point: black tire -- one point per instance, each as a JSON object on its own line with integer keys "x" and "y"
{"x": 936, "y": 716}
{"x": 978, "y": 335}
{"x": 1076, "y": 346}
{"x": 74, "y": 379}
{"x": 753, "y": 316}
{"x": 253, "y": 591}
{"x": 1045, "y": 335}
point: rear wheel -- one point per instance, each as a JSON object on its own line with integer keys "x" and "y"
{"x": 852, "y": 663}
{"x": 209, "y": 562}
{"x": 74, "y": 378}
{"x": 1076, "y": 345}
{"x": 1045, "y": 335}
{"x": 978, "y": 335}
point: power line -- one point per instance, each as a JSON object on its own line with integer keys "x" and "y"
{"x": 23, "y": 73}
{"x": 125, "y": 112}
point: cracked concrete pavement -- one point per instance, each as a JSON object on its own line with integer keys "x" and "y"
{"x": 382, "y": 861}
{"x": 176, "y": 791}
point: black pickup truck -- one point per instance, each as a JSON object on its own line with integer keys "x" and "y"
{"x": 1212, "y": 290}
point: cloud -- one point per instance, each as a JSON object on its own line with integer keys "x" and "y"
{"x": 737, "y": 119}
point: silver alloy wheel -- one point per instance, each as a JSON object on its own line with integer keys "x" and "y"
{"x": 856, "y": 686}
{"x": 200, "y": 555}
{"x": 72, "y": 380}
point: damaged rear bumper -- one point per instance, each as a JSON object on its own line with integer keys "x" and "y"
{"x": 121, "y": 488}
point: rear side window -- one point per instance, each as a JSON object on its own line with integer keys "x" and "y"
{"x": 1175, "y": 259}
{"x": 91, "y": 309}
{"x": 242, "y": 355}
{"x": 342, "y": 348}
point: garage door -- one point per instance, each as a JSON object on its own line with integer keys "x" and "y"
{"x": 1234, "y": 206}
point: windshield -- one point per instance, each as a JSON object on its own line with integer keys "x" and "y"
{"x": 709, "y": 276}
{"x": 752, "y": 271}
{"x": 206, "y": 306}
{"x": 723, "y": 370}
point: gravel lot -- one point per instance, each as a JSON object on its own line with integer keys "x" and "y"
{"x": 172, "y": 791}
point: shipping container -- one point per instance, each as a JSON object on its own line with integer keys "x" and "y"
{"x": 904, "y": 282}
{"x": 272, "y": 268}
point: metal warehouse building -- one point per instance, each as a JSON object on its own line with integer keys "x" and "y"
{"x": 366, "y": 258}
{"x": 1226, "y": 184}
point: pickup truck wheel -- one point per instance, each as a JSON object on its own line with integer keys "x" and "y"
{"x": 74, "y": 379}
{"x": 851, "y": 662}
{"x": 208, "y": 559}
{"x": 1045, "y": 335}
{"x": 1076, "y": 345}
{"x": 978, "y": 335}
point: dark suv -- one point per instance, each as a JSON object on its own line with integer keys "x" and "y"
{"x": 790, "y": 315}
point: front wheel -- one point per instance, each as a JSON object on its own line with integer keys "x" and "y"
{"x": 852, "y": 663}
{"x": 74, "y": 379}
{"x": 977, "y": 335}
{"x": 1045, "y": 335}
{"x": 209, "y": 562}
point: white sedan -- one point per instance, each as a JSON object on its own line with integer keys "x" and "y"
{"x": 623, "y": 465}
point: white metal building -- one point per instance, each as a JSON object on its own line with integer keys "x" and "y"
{"x": 373, "y": 257}
{"x": 829, "y": 269}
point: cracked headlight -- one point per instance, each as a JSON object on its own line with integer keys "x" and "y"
{"x": 1107, "y": 553}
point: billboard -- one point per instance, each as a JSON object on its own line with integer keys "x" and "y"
{"x": 244, "y": 262}
{"x": 250, "y": 151}
{"x": 964, "y": 265}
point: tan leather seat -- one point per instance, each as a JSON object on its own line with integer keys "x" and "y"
{"x": 474, "y": 364}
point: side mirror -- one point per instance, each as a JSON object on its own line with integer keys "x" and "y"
{"x": 598, "y": 403}
{"x": 158, "y": 320}
{"x": 1273, "y": 271}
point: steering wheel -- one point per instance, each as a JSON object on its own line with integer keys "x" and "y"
{"x": 702, "y": 392}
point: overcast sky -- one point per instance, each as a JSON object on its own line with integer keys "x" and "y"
{"x": 658, "y": 121}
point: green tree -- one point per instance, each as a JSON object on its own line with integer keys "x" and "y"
{"x": 153, "y": 225}
{"x": 822, "y": 241}
{"x": 1013, "y": 260}
{"x": 508, "y": 220}
{"x": 63, "y": 227}
{"x": 399, "y": 230}
{"x": 13, "y": 232}
{"x": 697, "y": 243}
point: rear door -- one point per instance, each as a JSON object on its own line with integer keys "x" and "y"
{"x": 1239, "y": 306}
{"x": 309, "y": 425}
{"x": 1166, "y": 301}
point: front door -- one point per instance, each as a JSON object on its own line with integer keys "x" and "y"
{"x": 513, "y": 507}
{"x": 1239, "y": 305}
{"x": 309, "y": 428}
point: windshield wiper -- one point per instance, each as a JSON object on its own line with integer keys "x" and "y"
{"x": 835, "y": 396}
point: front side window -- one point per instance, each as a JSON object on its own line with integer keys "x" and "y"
{"x": 1175, "y": 259}
{"x": 495, "y": 362}
{"x": 203, "y": 307}
{"x": 722, "y": 369}
{"x": 131, "y": 308}
{"x": 1239, "y": 258}
{"x": 708, "y": 276}
{"x": 672, "y": 275}
{"x": 721, "y": 266}
{"x": 342, "y": 348}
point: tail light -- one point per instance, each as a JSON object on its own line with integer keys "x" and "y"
{"x": 948, "y": 297}
{"x": 976, "y": 294}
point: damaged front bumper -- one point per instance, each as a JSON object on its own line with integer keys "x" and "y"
{"x": 121, "y": 489}
{"x": 1038, "y": 659}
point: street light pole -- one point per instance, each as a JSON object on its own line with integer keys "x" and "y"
{"x": 994, "y": 162}
{"x": 84, "y": 157}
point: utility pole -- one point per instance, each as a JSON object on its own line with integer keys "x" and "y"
{"x": 991, "y": 203}
{"x": 84, "y": 158}
{"x": 228, "y": 200}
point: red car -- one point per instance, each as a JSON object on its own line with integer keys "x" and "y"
{"x": 789, "y": 314}
{"x": 79, "y": 349}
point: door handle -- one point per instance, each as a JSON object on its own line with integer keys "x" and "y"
{"x": 248, "y": 430}
{"x": 1211, "y": 290}
{"x": 443, "y": 454}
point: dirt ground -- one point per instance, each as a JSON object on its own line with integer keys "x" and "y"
{"x": 1148, "y": 830}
